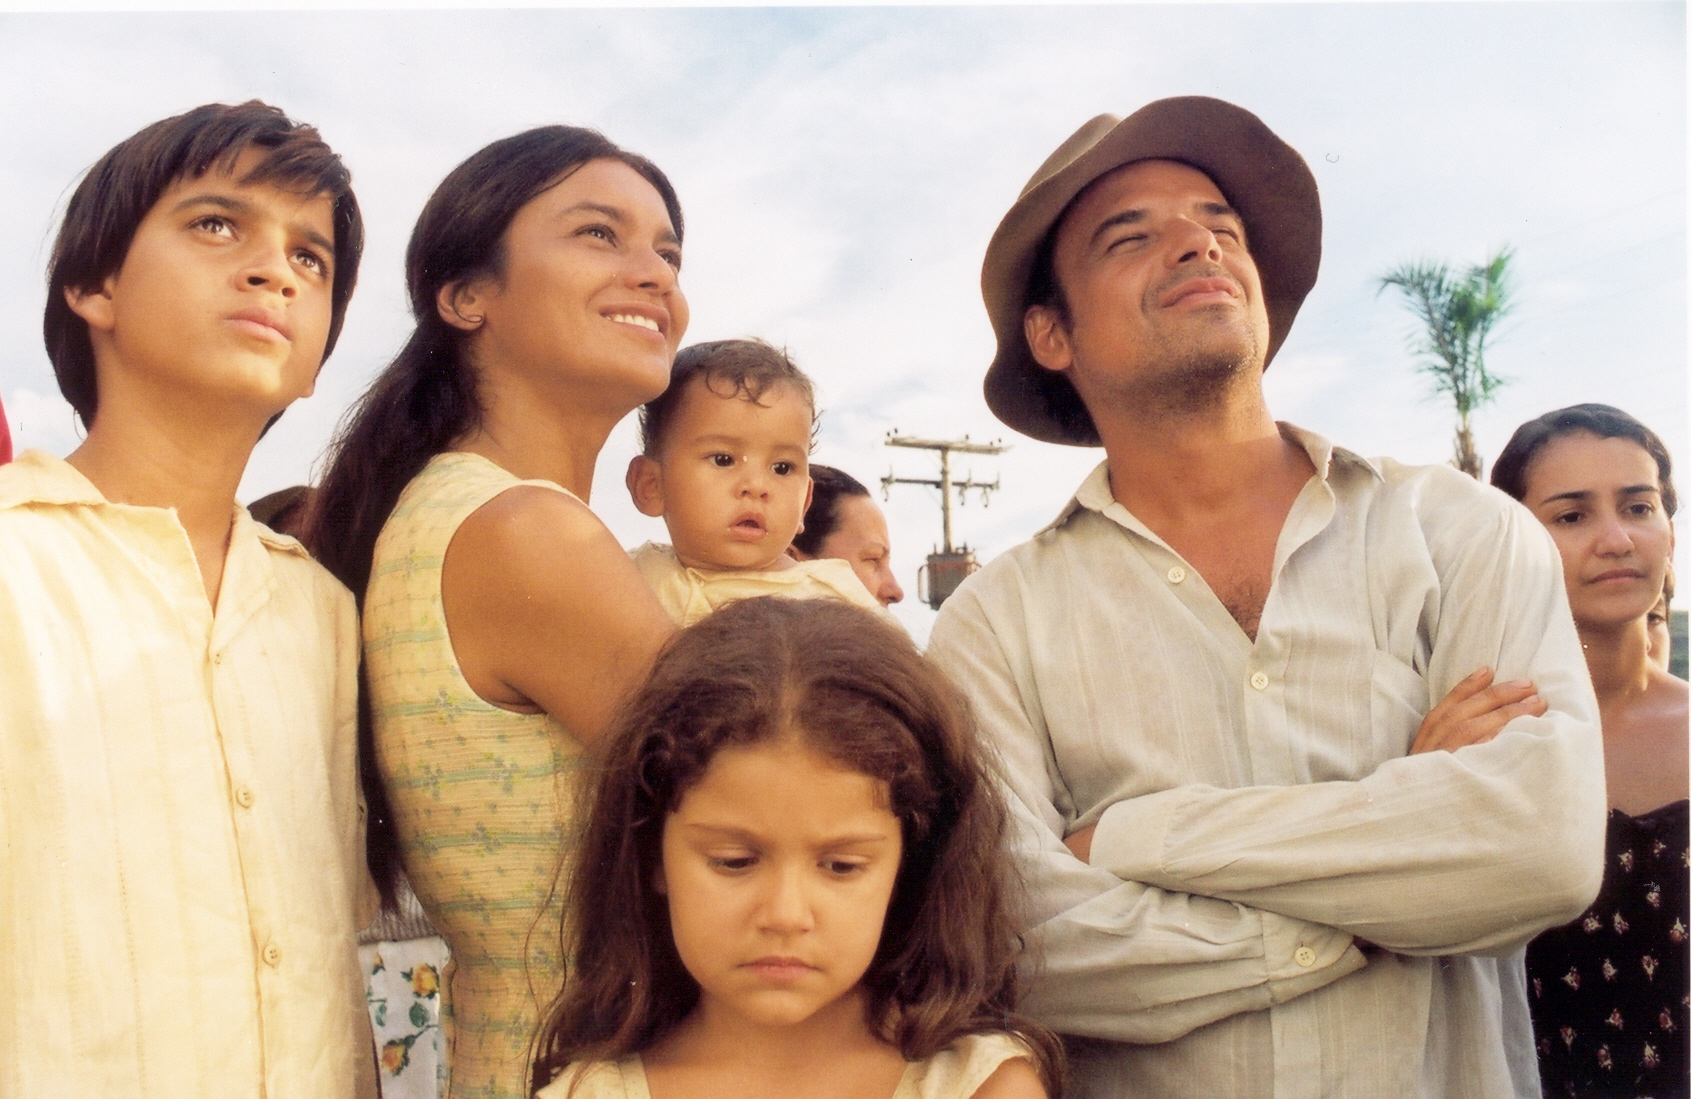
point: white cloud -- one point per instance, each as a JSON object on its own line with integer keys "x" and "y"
{"x": 842, "y": 170}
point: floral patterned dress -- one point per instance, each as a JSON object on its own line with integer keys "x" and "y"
{"x": 1609, "y": 991}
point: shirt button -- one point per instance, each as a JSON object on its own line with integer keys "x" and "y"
{"x": 217, "y": 658}
{"x": 1259, "y": 680}
{"x": 273, "y": 954}
{"x": 244, "y": 796}
{"x": 1176, "y": 575}
{"x": 1304, "y": 956}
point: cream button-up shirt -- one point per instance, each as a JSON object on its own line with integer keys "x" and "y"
{"x": 690, "y": 594}
{"x": 1281, "y": 902}
{"x": 181, "y": 838}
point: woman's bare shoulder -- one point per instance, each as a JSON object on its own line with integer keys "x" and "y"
{"x": 524, "y": 517}
{"x": 545, "y": 609}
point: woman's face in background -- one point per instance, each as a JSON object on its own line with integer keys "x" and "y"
{"x": 860, "y": 538}
{"x": 1601, "y": 501}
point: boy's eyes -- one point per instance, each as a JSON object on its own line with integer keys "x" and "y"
{"x": 213, "y": 223}
{"x": 721, "y": 461}
{"x": 218, "y": 225}
{"x": 783, "y": 468}
{"x": 312, "y": 260}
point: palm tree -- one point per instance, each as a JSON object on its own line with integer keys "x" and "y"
{"x": 1458, "y": 312}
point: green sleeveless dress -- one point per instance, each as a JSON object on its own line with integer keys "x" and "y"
{"x": 482, "y": 797}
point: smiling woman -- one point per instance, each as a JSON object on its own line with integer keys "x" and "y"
{"x": 501, "y": 619}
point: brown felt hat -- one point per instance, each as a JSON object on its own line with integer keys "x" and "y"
{"x": 1261, "y": 177}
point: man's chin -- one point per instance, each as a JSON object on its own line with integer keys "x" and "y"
{"x": 1198, "y": 382}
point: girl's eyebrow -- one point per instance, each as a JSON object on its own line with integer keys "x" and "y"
{"x": 727, "y": 831}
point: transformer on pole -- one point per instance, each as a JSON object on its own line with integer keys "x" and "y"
{"x": 948, "y": 565}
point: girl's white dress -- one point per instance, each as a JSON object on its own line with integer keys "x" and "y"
{"x": 955, "y": 1072}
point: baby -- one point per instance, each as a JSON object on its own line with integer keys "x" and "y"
{"x": 726, "y": 464}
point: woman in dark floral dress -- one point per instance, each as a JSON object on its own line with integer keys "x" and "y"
{"x": 1609, "y": 991}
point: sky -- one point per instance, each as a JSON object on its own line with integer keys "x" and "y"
{"x": 841, "y": 170}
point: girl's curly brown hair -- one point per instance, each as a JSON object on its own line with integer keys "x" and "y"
{"x": 851, "y": 686}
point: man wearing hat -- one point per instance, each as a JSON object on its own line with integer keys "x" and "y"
{"x": 1257, "y": 865}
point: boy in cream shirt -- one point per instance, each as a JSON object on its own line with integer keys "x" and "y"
{"x": 183, "y": 875}
{"x": 726, "y": 463}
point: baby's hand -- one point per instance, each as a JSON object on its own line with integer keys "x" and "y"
{"x": 1474, "y": 711}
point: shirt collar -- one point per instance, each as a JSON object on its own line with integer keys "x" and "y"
{"x": 37, "y": 477}
{"x": 1094, "y": 493}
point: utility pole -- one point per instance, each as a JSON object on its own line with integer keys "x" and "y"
{"x": 947, "y": 566}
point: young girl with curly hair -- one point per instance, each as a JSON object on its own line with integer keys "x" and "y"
{"x": 797, "y": 880}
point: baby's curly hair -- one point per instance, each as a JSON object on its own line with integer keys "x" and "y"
{"x": 746, "y": 368}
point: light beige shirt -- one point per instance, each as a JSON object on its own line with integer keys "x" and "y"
{"x": 1258, "y": 816}
{"x": 181, "y": 843}
{"x": 690, "y": 594}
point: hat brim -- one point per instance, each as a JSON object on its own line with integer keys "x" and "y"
{"x": 1261, "y": 177}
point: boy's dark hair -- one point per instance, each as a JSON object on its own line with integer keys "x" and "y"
{"x": 730, "y": 368}
{"x": 828, "y": 487}
{"x": 854, "y": 689}
{"x": 125, "y": 184}
{"x": 1509, "y": 472}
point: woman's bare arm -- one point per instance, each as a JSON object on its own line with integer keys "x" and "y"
{"x": 546, "y": 611}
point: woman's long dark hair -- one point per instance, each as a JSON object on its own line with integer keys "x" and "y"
{"x": 426, "y": 398}
{"x": 852, "y": 687}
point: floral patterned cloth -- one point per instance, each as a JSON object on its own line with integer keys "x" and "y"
{"x": 402, "y": 984}
{"x": 1610, "y": 1005}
